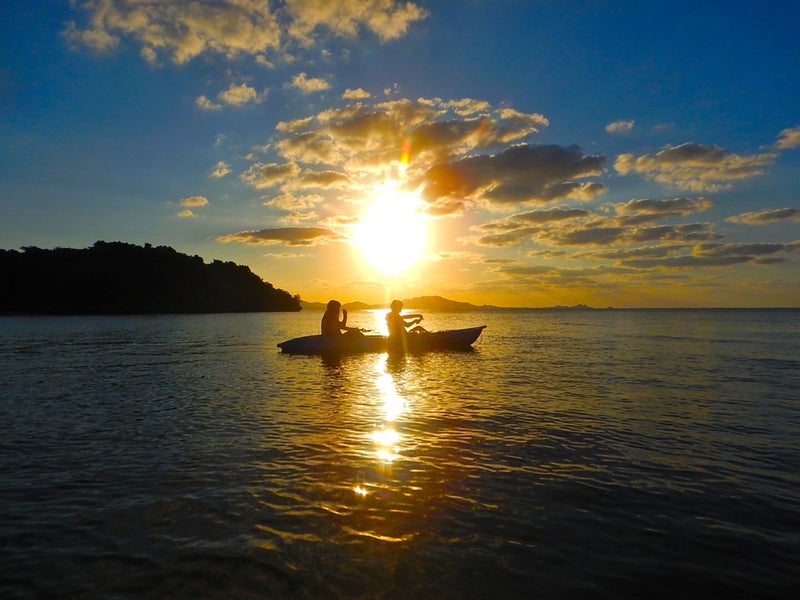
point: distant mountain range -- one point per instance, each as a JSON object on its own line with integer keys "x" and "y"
{"x": 431, "y": 303}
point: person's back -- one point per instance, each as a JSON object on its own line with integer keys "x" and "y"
{"x": 330, "y": 325}
{"x": 395, "y": 325}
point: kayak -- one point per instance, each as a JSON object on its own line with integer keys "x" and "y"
{"x": 448, "y": 339}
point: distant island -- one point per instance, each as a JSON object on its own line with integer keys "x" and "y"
{"x": 120, "y": 278}
{"x": 436, "y": 303}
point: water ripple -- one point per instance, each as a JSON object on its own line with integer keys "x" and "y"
{"x": 602, "y": 454}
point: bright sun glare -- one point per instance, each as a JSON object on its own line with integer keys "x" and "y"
{"x": 393, "y": 232}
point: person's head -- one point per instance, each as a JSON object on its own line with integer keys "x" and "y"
{"x": 334, "y": 305}
{"x": 396, "y": 306}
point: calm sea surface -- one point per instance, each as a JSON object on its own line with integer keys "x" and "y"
{"x": 572, "y": 454}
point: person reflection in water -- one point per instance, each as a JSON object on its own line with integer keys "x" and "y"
{"x": 398, "y": 324}
{"x": 332, "y": 326}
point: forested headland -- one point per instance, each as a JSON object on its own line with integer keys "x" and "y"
{"x": 120, "y": 278}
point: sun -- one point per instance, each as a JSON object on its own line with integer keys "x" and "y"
{"x": 393, "y": 232}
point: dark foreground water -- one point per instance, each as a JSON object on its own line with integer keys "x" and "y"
{"x": 573, "y": 454}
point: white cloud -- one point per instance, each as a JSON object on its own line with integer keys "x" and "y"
{"x": 203, "y": 103}
{"x": 264, "y": 61}
{"x": 308, "y": 85}
{"x": 789, "y": 138}
{"x": 237, "y": 95}
{"x": 293, "y": 126}
{"x": 387, "y": 19}
{"x": 150, "y": 56}
{"x": 194, "y": 201}
{"x": 620, "y": 126}
{"x": 220, "y": 169}
{"x": 356, "y": 94}
{"x": 185, "y": 29}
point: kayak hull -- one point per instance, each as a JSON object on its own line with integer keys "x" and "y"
{"x": 450, "y": 339}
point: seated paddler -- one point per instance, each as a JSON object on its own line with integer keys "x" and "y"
{"x": 398, "y": 324}
{"x": 332, "y": 325}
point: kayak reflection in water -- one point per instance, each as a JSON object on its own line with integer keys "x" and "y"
{"x": 332, "y": 326}
{"x": 398, "y": 324}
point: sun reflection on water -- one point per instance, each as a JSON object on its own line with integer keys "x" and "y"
{"x": 393, "y": 404}
{"x": 385, "y": 437}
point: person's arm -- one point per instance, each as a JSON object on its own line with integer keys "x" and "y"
{"x": 343, "y": 324}
{"x": 411, "y": 317}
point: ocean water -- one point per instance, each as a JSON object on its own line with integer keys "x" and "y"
{"x": 571, "y": 454}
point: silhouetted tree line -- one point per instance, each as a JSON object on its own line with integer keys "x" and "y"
{"x": 120, "y": 278}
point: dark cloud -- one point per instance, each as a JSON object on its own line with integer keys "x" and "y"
{"x": 525, "y": 270}
{"x": 261, "y": 175}
{"x": 680, "y": 233}
{"x": 446, "y": 207}
{"x": 441, "y": 139}
{"x": 694, "y": 166}
{"x": 766, "y": 216}
{"x": 636, "y": 212}
{"x": 309, "y": 148}
{"x": 364, "y": 132}
{"x": 548, "y": 275}
{"x": 558, "y": 226}
{"x": 604, "y": 232}
{"x": 325, "y": 180}
{"x": 667, "y": 206}
{"x": 599, "y": 236}
{"x": 715, "y": 255}
{"x": 739, "y": 249}
{"x": 290, "y": 236}
{"x": 682, "y": 262}
{"x": 535, "y": 217}
{"x": 659, "y": 251}
{"x": 506, "y": 238}
{"x": 519, "y": 174}
{"x": 362, "y": 142}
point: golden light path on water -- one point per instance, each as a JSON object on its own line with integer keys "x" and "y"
{"x": 385, "y": 438}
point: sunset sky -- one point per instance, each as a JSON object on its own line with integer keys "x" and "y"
{"x": 515, "y": 153}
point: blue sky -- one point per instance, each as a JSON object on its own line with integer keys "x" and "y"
{"x": 608, "y": 153}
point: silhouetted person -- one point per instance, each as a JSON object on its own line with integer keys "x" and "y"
{"x": 398, "y": 324}
{"x": 331, "y": 325}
